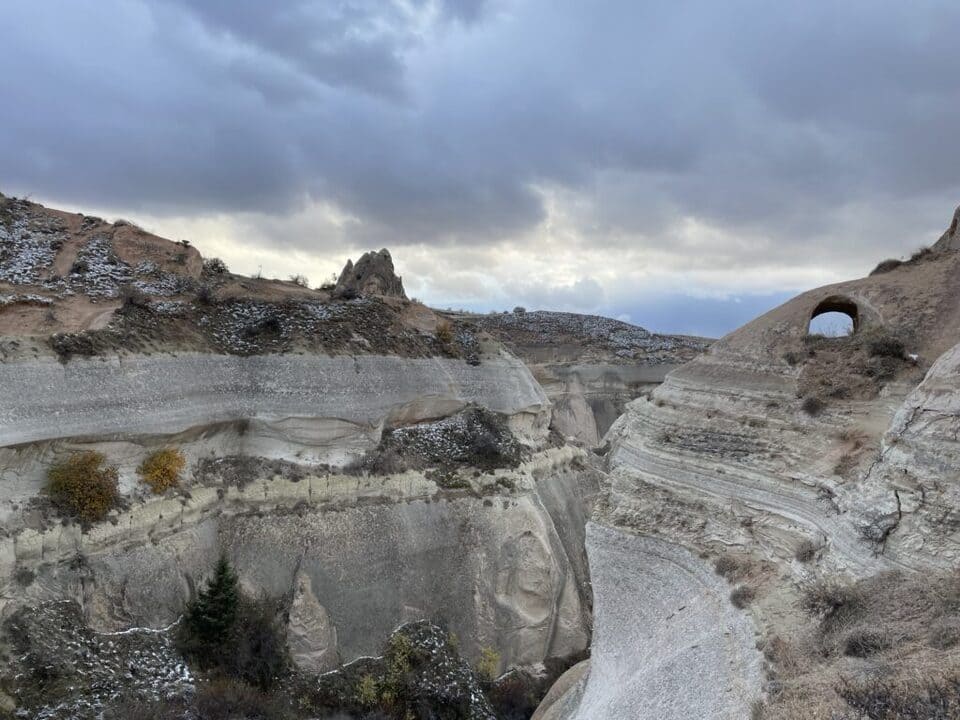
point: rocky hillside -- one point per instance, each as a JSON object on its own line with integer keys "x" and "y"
{"x": 589, "y": 366}
{"x": 805, "y": 485}
{"x": 358, "y": 459}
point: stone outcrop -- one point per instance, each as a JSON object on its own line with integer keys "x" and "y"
{"x": 278, "y": 396}
{"x": 590, "y": 367}
{"x": 372, "y": 275}
{"x": 950, "y": 240}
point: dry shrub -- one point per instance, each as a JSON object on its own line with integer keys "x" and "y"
{"x": 832, "y": 602}
{"x": 886, "y": 266}
{"x": 161, "y": 469}
{"x": 729, "y": 567}
{"x": 813, "y": 406}
{"x": 489, "y": 664}
{"x": 781, "y": 653}
{"x": 862, "y": 642}
{"x": 205, "y": 295}
{"x": 444, "y": 332}
{"x": 214, "y": 266}
{"x": 930, "y": 699}
{"x": 806, "y": 551}
{"x": 944, "y": 634}
{"x": 133, "y": 297}
{"x": 742, "y": 596}
{"x": 887, "y": 346}
{"x": 82, "y": 486}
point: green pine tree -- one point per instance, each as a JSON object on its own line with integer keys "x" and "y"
{"x": 210, "y": 617}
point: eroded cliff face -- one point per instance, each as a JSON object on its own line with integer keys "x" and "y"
{"x": 306, "y": 408}
{"x": 358, "y": 555}
{"x": 281, "y": 400}
{"x": 500, "y": 557}
{"x": 786, "y": 462}
{"x": 590, "y": 367}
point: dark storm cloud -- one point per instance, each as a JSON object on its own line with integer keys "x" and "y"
{"x": 455, "y": 122}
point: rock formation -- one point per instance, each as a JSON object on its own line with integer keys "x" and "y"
{"x": 372, "y": 275}
{"x": 282, "y": 401}
{"x": 589, "y": 366}
{"x": 788, "y": 462}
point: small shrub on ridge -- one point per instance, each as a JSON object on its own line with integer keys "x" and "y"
{"x": 82, "y": 486}
{"x": 161, "y": 469}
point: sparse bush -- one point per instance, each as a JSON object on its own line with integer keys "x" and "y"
{"x": 205, "y": 295}
{"x": 944, "y": 634}
{"x": 214, "y": 266}
{"x": 367, "y": 692}
{"x": 921, "y": 254}
{"x": 933, "y": 699}
{"x": 444, "y": 332}
{"x": 518, "y": 310}
{"x": 489, "y": 664}
{"x": 886, "y": 266}
{"x": 887, "y": 346}
{"x": 269, "y": 325}
{"x": 728, "y": 567}
{"x": 82, "y": 486}
{"x": 742, "y": 596}
{"x": 812, "y": 405}
{"x": 806, "y": 551}
{"x": 832, "y": 601}
{"x": 79, "y": 267}
{"x": 133, "y": 297}
{"x": 300, "y": 280}
{"x": 792, "y": 357}
{"x": 863, "y": 642}
{"x": 161, "y": 469}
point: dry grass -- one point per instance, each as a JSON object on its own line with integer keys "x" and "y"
{"x": 883, "y": 648}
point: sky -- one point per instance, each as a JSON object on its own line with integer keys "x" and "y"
{"x": 683, "y": 165}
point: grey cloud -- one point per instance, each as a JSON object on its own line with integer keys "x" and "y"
{"x": 788, "y": 126}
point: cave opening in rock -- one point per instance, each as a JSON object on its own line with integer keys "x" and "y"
{"x": 834, "y": 317}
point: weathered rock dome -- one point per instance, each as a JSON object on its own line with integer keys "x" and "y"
{"x": 372, "y": 275}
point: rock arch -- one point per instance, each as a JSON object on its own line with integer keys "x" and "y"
{"x": 837, "y": 304}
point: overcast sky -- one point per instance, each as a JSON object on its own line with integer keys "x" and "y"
{"x": 685, "y": 165}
